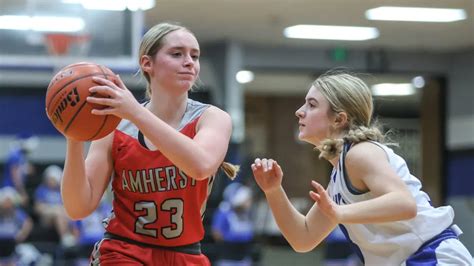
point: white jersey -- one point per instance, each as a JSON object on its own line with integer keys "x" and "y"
{"x": 389, "y": 243}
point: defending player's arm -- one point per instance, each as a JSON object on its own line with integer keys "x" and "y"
{"x": 303, "y": 233}
{"x": 84, "y": 181}
{"x": 368, "y": 169}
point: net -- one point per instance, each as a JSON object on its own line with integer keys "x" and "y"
{"x": 59, "y": 44}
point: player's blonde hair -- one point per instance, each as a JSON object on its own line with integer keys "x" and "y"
{"x": 347, "y": 93}
{"x": 152, "y": 41}
{"x": 230, "y": 170}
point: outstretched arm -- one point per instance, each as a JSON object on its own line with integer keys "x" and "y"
{"x": 368, "y": 169}
{"x": 302, "y": 232}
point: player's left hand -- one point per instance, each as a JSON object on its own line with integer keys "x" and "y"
{"x": 115, "y": 95}
{"x": 327, "y": 206}
{"x": 268, "y": 174}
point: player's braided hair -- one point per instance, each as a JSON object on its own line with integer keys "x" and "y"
{"x": 331, "y": 148}
{"x": 230, "y": 170}
{"x": 347, "y": 93}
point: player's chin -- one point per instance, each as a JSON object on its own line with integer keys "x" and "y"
{"x": 304, "y": 138}
{"x": 185, "y": 84}
{"x": 301, "y": 136}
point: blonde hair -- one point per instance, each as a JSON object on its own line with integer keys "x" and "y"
{"x": 151, "y": 43}
{"x": 347, "y": 93}
{"x": 230, "y": 170}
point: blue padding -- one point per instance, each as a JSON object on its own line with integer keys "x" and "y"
{"x": 24, "y": 114}
{"x": 460, "y": 179}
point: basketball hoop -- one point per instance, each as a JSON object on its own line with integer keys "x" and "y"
{"x": 58, "y": 44}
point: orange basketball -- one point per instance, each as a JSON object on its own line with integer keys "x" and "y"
{"x": 66, "y": 104}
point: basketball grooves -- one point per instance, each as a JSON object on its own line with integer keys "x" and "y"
{"x": 81, "y": 77}
{"x": 106, "y": 116}
{"x": 84, "y": 103}
{"x": 74, "y": 116}
{"x": 65, "y": 85}
{"x": 100, "y": 128}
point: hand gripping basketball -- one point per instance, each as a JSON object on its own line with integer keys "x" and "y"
{"x": 67, "y": 107}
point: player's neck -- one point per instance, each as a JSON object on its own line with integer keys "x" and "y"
{"x": 168, "y": 108}
{"x": 334, "y": 161}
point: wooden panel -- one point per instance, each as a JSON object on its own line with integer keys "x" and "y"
{"x": 271, "y": 127}
{"x": 432, "y": 137}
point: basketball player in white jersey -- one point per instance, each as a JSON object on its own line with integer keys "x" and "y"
{"x": 378, "y": 204}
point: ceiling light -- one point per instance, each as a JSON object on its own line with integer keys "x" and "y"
{"x": 244, "y": 76}
{"x": 418, "y": 82}
{"x": 134, "y": 5}
{"x": 110, "y": 5}
{"x": 15, "y": 22}
{"x": 393, "y": 89}
{"x": 394, "y": 13}
{"x": 331, "y": 32}
{"x": 114, "y": 5}
{"x": 42, "y": 23}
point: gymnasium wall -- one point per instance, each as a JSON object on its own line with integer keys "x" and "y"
{"x": 460, "y": 143}
{"x": 460, "y": 128}
{"x": 24, "y": 112}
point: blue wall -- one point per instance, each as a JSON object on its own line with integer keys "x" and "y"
{"x": 24, "y": 114}
{"x": 460, "y": 174}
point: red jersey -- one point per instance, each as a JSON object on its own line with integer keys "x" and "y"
{"x": 154, "y": 201}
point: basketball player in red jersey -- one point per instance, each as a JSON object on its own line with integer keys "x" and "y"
{"x": 161, "y": 159}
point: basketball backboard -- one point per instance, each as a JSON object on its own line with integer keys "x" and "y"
{"x": 105, "y": 37}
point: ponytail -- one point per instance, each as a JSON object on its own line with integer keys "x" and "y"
{"x": 361, "y": 133}
{"x": 330, "y": 148}
{"x": 230, "y": 170}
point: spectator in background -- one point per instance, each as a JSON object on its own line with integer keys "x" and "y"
{"x": 232, "y": 227}
{"x": 17, "y": 166}
{"x": 15, "y": 225}
{"x": 48, "y": 205}
{"x": 338, "y": 251}
{"x": 90, "y": 230}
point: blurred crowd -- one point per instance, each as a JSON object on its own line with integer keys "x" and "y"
{"x": 35, "y": 230}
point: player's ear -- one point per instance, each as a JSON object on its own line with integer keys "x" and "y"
{"x": 341, "y": 120}
{"x": 146, "y": 63}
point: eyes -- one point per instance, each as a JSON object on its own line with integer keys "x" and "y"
{"x": 312, "y": 104}
{"x": 178, "y": 54}
{"x": 308, "y": 105}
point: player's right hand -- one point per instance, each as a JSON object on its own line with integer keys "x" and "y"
{"x": 267, "y": 173}
{"x": 115, "y": 95}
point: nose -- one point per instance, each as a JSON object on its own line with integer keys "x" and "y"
{"x": 300, "y": 113}
{"x": 188, "y": 61}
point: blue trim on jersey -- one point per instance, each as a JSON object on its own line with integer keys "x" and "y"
{"x": 426, "y": 254}
{"x": 343, "y": 171}
{"x": 352, "y": 244}
{"x": 333, "y": 176}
